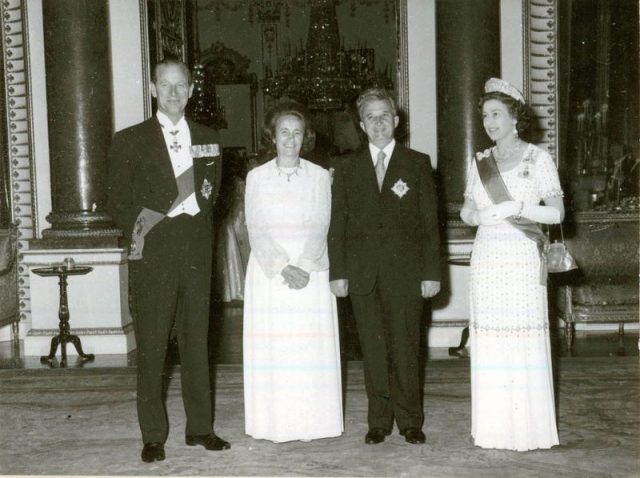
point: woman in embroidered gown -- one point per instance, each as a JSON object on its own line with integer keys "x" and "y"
{"x": 292, "y": 375}
{"x": 511, "y": 375}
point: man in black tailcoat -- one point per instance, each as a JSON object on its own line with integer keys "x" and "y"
{"x": 164, "y": 175}
{"x": 384, "y": 253}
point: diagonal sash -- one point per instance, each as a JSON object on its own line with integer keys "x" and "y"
{"x": 498, "y": 192}
{"x": 148, "y": 218}
{"x": 185, "y": 186}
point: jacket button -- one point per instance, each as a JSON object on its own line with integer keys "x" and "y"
{"x": 380, "y": 226}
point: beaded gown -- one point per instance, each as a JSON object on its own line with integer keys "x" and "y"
{"x": 292, "y": 375}
{"x": 511, "y": 373}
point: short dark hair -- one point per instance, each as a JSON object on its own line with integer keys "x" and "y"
{"x": 374, "y": 94}
{"x": 167, "y": 61}
{"x": 520, "y": 111}
{"x": 287, "y": 108}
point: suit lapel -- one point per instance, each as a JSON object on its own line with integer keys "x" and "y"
{"x": 206, "y": 168}
{"x": 198, "y": 164}
{"x": 161, "y": 160}
{"x": 393, "y": 170}
{"x": 366, "y": 172}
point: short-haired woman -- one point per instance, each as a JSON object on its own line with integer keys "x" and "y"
{"x": 292, "y": 375}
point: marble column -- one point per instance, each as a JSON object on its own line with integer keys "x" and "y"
{"x": 468, "y": 53}
{"x": 80, "y": 126}
{"x": 78, "y": 82}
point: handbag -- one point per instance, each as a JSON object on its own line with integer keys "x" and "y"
{"x": 559, "y": 259}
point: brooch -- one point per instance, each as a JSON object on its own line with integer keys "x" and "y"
{"x": 483, "y": 154}
{"x": 206, "y": 189}
{"x": 205, "y": 150}
{"x": 400, "y": 188}
{"x": 525, "y": 172}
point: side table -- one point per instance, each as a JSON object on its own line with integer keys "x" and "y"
{"x": 64, "y": 336}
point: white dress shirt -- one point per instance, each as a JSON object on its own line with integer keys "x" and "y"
{"x": 178, "y": 140}
{"x": 388, "y": 150}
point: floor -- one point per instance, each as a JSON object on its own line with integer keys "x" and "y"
{"x": 82, "y": 421}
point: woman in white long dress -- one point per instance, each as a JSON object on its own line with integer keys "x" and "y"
{"x": 511, "y": 373}
{"x": 292, "y": 378}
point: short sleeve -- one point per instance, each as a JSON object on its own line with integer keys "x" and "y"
{"x": 547, "y": 180}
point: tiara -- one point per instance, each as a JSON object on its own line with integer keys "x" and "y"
{"x": 501, "y": 86}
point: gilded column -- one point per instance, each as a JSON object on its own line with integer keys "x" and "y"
{"x": 468, "y": 53}
{"x": 78, "y": 83}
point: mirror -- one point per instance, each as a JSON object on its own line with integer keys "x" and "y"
{"x": 598, "y": 75}
{"x": 318, "y": 52}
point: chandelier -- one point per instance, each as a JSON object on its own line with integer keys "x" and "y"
{"x": 325, "y": 75}
{"x": 204, "y": 105}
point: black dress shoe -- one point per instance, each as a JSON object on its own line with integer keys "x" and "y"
{"x": 414, "y": 436}
{"x": 210, "y": 442}
{"x": 152, "y": 452}
{"x": 375, "y": 436}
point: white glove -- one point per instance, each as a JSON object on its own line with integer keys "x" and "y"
{"x": 541, "y": 214}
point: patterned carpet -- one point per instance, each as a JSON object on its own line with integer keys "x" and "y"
{"x": 83, "y": 422}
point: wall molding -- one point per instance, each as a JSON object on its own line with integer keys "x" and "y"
{"x": 402, "y": 64}
{"x": 15, "y": 55}
{"x": 540, "y": 30}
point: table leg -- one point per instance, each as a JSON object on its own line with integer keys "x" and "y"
{"x": 75, "y": 340}
{"x": 52, "y": 351}
{"x": 64, "y": 335}
{"x": 459, "y": 350}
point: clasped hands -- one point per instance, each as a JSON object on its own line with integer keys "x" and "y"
{"x": 497, "y": 213}
{"x": 295, "y": 277}
{"x": 428, "y": 288}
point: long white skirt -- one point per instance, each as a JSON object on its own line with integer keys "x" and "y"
{"x": 292, "y": 378}
{"x": 511, "y": 375}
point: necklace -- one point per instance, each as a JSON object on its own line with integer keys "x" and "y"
{"x": 282, "y": 172}
{"x": 502, "y": 156}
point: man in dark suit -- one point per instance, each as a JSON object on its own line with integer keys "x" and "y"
{"x": 164, "y": 175}
{"x": 384, "y": 253}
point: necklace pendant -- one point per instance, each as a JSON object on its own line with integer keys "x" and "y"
{"x": 288, "y": 175}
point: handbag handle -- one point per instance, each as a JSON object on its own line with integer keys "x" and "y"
{"x": 561, "y": 232}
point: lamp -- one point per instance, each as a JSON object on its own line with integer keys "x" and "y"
{"x": 325, "y": 75}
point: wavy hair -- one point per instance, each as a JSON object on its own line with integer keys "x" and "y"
{"x": 520, "y": 111}
{"x": 374, "y": 94}
{"x": 287, "y": 108}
